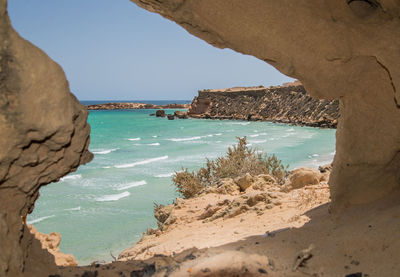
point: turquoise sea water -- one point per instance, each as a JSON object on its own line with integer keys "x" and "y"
{"x": 107, "y": 204}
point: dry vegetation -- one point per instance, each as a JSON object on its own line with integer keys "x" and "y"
{"x": 239, "y": 160}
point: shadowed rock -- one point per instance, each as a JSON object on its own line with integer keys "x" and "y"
{"x": 338, "y": 49}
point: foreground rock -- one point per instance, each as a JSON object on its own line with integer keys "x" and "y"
{"x": 51, "y": 242}
{"x": 346, "y": 50}
{"x": 134, "y": 106}
{"x": 289, "y": 103}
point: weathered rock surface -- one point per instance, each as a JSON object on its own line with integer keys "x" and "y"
{"x": 302, "y": 177}
{"x": 288, "y": 103}
{"x": 44, "y": 135}
{"x": 134, "y": 106}
{"x": 346, "y": 50}
{"x": 50, "y": 242}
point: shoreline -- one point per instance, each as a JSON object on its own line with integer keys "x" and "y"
{"x": 134, "y": 106}
{"x": 287, "y": 104}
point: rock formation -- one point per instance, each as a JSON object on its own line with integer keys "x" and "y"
{"x": 44, "y": 136}
{"x": 50, "y": 242}
{"x": 287, "y": 104}
{"x": 346, "y": 50}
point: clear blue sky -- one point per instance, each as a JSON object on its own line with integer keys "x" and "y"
{"x": 112, "y": 49}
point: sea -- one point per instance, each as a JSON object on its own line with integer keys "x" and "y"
{"x": 106, "y": 205}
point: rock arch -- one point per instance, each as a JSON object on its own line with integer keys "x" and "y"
{"x": 345, "y": 49}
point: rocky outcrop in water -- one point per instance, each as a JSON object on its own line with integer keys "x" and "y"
{"x": 289, "y": 103}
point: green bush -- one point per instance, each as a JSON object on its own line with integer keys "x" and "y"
{"x": 239, "y": 160}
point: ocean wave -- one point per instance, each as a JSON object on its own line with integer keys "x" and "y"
{"x": 155, "y": 136}
{"x": 219, "y": 134}
{"x": 290, "y": 130}
{"x": 258, "y": 141}
{"x": 166, "y": 175}
{"x": 150, "y": 144}
{"x": 73, "y": 209}
{"x": 71, "y": 177}
{"x": 315, "y": 155}
{"x": 40, "y": 219}
{"x": 113, "y": 197}
{"x": 185, "y": 139}
{"x": 240, "y": 123}
{"x": 131, "y": 185}
{"x": 134, "y": 139}
{"x": 142, "y": 162}
{"x": 103, "y": 152}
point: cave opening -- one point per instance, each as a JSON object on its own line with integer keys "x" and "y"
{"x": 364, "y": 181}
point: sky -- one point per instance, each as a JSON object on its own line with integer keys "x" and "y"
{"x": 114, "y": 50}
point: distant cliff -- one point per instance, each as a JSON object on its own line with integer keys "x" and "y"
{"x": 288, "y": 103}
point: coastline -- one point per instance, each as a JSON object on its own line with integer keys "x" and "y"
{"x": 288, "y": 104}
{"x": 134, "y": 106}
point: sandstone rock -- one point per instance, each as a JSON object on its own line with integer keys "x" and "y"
{"x": 44, "y": 136}
{"x": 244, "y": 181}
{"x": 355, "y": 53}
{"x": 325, "y": 168}
{"x": 162, "y": 213}
{"x": 50, "y": 242}
{"x": 264, "y": 181}
{"x": 229, "y": 186}
{"x": 301, "y": 177}
{"x": 160, "y": 113}
{"x": 170, "y": 116}
{"x": 210, "y": 211}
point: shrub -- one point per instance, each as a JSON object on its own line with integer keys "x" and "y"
{"x": 239, "y": 160}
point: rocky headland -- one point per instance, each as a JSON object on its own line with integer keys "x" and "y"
{"x": 288, "y": 103}
{"x": 134, "y": 106}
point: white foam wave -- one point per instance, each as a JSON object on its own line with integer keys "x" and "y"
{"x": 219, "y": 134}
{"x": 154, "y": 144}
{"x": 73, "y": 209}
{"x": 164, "y": 175}
{"x": 131, "y": 185}
{"x": 258, "y": 141}
{"x": 142, "y": 162}
{"x": 40, "y": 219}
{"x": 154, "y": 136}
{"x": 290, "y": 130}
{"x": 106, "y": 167}
{"x": 134, "y": 139}
{"x": 185, "y": 139}
{"x": 71, "y": 177}
{"x": 240, "y": 123}
{"x": 315, "y": 155}
{"x": 103, "y": 152}
{"x": 113, "y": 197}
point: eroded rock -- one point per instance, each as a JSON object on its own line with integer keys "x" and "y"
{"x": 44, "y": 136}
{"x": 302, "y": 177}
{"x": 244, "y": 181}
{"x": 343, "y": 50}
